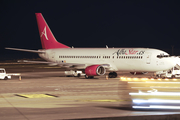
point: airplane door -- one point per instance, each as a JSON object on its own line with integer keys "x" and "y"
{"x": 148, "y": 59}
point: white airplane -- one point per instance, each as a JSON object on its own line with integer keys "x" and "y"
{"x": 96, "y": 61}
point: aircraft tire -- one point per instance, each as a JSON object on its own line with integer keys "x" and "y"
{"x": 89, "y": 77}
{"x": 78, "y": 75}
{"x": 173, "y": 76}
{"x": 112, "y": 75}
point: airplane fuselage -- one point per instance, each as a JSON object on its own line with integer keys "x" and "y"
{"x": 119, "y": 59}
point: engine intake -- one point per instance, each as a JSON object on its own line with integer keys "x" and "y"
{"x": 95, "y": 70}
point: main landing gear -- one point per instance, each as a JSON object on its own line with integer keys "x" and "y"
{"x": 112, "y": 75}
{"x": 89, "y": 77}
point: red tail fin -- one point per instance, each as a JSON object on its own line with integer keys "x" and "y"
{"x": 48, "y": 40}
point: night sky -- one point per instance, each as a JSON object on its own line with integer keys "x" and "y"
{"x": 91, "y": 23}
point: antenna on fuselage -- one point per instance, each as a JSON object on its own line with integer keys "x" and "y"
{"x": 106, "y": 46}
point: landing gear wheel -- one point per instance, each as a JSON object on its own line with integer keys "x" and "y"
{"x": 112, "y": 75}
{"x": 89, "y": 77}
{"x": 78, "y": 75}
{"x": 173, "y": 76}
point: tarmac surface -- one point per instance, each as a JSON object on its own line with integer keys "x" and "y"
{"x": 44, "y": 93}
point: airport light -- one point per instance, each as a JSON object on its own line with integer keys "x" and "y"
{"x": 144, "y": 79}
{"x": 135, "y": 79}
{"x": 123, "y": 78}
{"x": 129, "y": 79}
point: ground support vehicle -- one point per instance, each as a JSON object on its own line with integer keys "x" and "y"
{"x": 73, "y": 73}
{"x": 3, "y": 74}
{"x": 172, "y": 73}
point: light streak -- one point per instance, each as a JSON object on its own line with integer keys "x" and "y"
{"x": 158, "y": 107}
{"x": 157, "y": 93}
{"x": 151, "y": 87}
{"x": 148, "y": 79}
{"x": 164, "y": 82}
{"x": 156, "y": 101}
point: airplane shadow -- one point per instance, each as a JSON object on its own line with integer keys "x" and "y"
{"x": 89, "y": 78}
{"x": 132, "y": 109}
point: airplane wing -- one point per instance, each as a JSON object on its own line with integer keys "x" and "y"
{"x": 55, "y": 63}
{"x": 71, "y": 65}
{"x": 25, "y": 50}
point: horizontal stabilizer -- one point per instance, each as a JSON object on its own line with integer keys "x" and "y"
{"x": 25, "y": 50}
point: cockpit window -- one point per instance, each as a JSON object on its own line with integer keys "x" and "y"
{"x": 162, "y": 56}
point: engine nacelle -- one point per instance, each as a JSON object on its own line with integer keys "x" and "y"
{"x": 138, "y": 73}
{"x": 95, "y": 70}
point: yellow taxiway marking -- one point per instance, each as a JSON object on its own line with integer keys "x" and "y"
{"x": 35, "y": 95}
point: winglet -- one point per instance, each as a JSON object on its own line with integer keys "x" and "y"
{"x": 48, "y": 40}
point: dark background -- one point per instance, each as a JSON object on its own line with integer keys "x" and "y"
{"x": 90, "y": 23}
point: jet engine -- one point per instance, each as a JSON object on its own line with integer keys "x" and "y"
{"x": 95, "y": 70}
